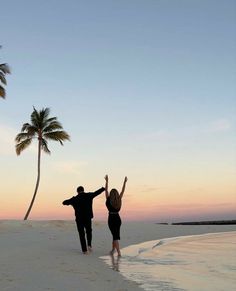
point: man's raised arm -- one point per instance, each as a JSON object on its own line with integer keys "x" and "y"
{"x": 68, "y": 201}
{"x": 99, "y": 191}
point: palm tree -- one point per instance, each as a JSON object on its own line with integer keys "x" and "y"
{"x": 4, "y": 69}
{"x": 43, "y": 128}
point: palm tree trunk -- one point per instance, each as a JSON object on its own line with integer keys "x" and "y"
{"x": 37, "y": 182}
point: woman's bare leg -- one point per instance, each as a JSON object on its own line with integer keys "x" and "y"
{"x": 113, "y": 248}
{"x": 117, "y": 247}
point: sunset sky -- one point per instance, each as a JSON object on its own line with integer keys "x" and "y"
{"x": 145, "y": 88}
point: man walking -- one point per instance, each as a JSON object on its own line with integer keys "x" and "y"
{"x": 83, "y": 206}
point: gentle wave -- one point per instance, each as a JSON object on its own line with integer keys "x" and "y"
{"x": 196, "y": 263}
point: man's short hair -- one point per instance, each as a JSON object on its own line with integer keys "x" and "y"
{"x": 80, "y": 189}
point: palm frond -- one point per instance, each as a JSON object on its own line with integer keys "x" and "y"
{"x": 40, "y": 118}
{"x": 2, "y": 92}
{"x": 54, "y": 125}
{"x": 22, "y": 145}
{"x": 2, "y": 78}
{"x": 29, "y": 129}
{"x": 44, "y": 113}
{"x": 22, "y": 136}
{"x": 5, "y": 68}
{"x": 43, "y": 117}
{"x": 25, "y": 127}
{"x": 59, "y": 135}
{"x": 51, "y": 119}
{"x": 45, "y": 146}
{"x": 35, "y": 118}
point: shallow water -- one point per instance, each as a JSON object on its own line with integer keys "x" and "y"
{"x": 199, "y": 262}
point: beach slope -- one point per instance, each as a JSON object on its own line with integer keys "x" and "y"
{"x": 46, "y": 255}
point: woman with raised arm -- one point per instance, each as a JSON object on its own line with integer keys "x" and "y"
{"x": 113, "y": 204}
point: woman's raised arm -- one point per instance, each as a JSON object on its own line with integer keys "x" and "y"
{"x": 123, "y": 187}
{"x": 106, "y": 186}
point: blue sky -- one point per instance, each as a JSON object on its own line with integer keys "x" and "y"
{"x": 144, "y": 88}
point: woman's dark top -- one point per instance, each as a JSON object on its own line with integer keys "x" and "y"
{"x": 114, "y": 221}
{"x": 110, "y": 207}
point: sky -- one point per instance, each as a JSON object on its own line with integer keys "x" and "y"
{"x": 145, "y": 89}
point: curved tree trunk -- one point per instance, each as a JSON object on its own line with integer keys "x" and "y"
{"x": 37, "y": 182}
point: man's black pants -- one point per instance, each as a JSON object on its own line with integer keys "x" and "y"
{"x": 85, "y": 224}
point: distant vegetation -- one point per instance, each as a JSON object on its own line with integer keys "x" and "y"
{"x": 214, "y": 222}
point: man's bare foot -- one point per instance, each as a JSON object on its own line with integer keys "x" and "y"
{"x": 90, "y": 249}
{"x": 86, "y": 253}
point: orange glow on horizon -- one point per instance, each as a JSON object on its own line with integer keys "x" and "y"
{"x": 166, "y": 213}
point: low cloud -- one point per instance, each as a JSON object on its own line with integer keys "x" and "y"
{"x": 220, "y": 125}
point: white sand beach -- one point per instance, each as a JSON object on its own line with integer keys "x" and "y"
{"x": 46, "y": 255}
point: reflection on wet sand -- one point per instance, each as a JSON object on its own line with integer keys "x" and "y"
{"x": 115, "y": 262}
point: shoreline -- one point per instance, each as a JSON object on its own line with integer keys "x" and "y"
{"x": 190, "y": 262}
{"x": 46, "y": 255}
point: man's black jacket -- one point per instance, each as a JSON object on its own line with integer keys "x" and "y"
{"x": 83, "y": 203}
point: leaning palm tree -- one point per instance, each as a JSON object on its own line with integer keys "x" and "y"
{"x": 43, "y": 128}
{"x": 4, "y": 69}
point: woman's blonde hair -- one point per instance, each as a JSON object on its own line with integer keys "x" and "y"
{"x": 115, "y": 199}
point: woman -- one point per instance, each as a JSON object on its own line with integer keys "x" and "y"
{"x": 113, "y": 204}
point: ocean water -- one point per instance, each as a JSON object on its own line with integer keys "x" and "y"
{"x": 199, "y": 263}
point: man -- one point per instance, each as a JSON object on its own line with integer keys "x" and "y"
{"x": 83, "y": 206}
